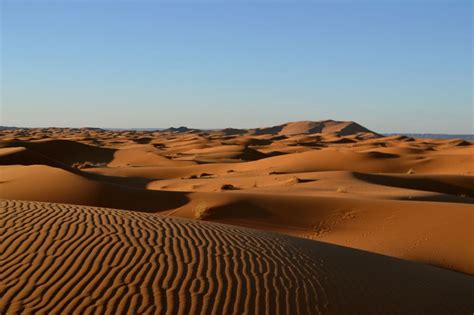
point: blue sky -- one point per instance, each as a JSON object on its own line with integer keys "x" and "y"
{"x": 393, "y": 66}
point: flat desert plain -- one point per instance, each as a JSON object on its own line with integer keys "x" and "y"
{"x": 311, "y": 217}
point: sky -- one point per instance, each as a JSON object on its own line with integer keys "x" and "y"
{"x": 390, "y": 65}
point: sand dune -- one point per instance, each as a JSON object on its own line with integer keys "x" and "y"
{"x": 301, "y": 127}
{"x": 60, "y": 258}
{"x": 429, "y": 232}
{"x": 448, "y": 184}
{"x": 333, "y": 218}
{"x": 143, "y": 155}
{"x": 43, "y": 183}
{"x": 316, "y": 161}
{"x": 65, "y": 151}
{"x": 224, "y": 152}
{"x": 379, "y": 162}
{"x": 328, "y": 181}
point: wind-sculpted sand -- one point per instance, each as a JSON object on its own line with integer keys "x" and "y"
{"x": 395, "y": 215}
{"x": 67, "y": 259}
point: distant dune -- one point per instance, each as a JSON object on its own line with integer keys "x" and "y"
{"x": 210, "y": 217}
{"x": 342, "y": 128}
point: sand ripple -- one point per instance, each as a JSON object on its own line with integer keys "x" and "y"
{"x": 68, "y": 259}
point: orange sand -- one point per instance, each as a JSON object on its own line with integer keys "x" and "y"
{"x": 332, "y": 182}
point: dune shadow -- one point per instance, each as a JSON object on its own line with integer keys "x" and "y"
{"x": 418, "y": 183}
{"x": 441, "y": 198}
{"x": 67, "y": 152}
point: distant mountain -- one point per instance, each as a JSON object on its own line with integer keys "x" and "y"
{"x": 181, "y": 129}
{"x": 9, "y": 128}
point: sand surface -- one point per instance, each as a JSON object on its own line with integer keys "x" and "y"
{"x": 346, "y": 193}
{"x": 65, "y": 259}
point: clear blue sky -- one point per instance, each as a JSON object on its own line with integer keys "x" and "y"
{"x": 393, "y": 66}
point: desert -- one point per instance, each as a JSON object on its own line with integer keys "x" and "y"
{"x": 230, "y": 157}
{"x": 308, "y": 217}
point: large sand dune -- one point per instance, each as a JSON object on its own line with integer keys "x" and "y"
{"x": 59, "y": 259}
{"x": 407, "y": 199}
{"x": 433, "y": 232}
